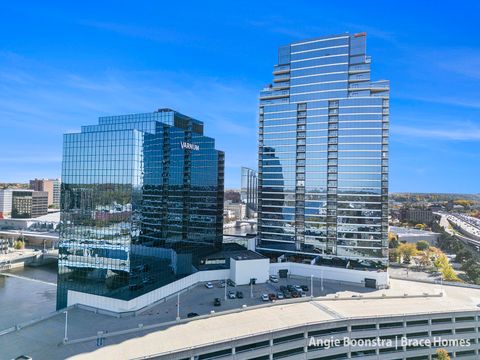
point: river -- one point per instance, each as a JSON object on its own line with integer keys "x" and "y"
{"x": 23, "y": 299}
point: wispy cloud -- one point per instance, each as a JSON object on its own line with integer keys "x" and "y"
{"x": 464, "y": 62}
{"x": 152, "y": 33}
{"x": 54, "y": 101}
{"x": 456, "y": 132}
{"x": 15, "y": 159}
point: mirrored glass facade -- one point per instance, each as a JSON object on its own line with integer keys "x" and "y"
{"x": 323, "y": 154}
{"x": 249, "y": 188}
{"x": 141, "y": 204}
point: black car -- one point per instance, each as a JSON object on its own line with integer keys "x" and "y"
{"x": 217, "y": 302}
{"x": 239, "y": 295}
{"x": 283, "y": 288}
{"x": 192, "y": 314}
{"x": 230, "y": 282}
{"x": 304, "y": 287}
{"x": 287, "y": 294}
{"x": 291, "y": 288}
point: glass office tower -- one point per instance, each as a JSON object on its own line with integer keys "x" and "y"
{"x": 323, "y": 155}
{"x": 249, "y": 188}
{"x": 141, "y": 204}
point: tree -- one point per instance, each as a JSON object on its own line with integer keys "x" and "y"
{"x": 422, "y": 245}
{"x": 472, "y": 269}
{"x": 19, "y": 244}
{"x": 442, "y": 354}
{"x": 424, "y": 260}
{"x": 393, "y": 255}
{"x": 462, "y": 255}
{"x": 406, "y": 251}
{"x": 441, "y": 262}
{"x": 449, "y": 274}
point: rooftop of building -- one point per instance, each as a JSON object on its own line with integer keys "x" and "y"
{"x": 265, "y": 319}
{"x": 409, "y": 231}
{"x": 234, "y": 324}
{"x": 318, "y": 38}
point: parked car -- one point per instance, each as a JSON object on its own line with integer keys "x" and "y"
{"x": 221, "y": 284}
{"x": 231, "y": 282}
{"x": 192, "y": 314}
{"x": 298, "y": 288}
{"x": 295, "y": 294}
{"x": 217, "y": 302}
{"x": 209, "y": 285}
{"x": 239, "y": 295}
{"x": 280, "y": 296}
{"x": 231, "y": 295}
{"x": 273, "y": 279}
{"x": 304, "y": 287}
{"x": 272, "y": 297}
{"x": 283, "y": 288}
{"x": 265, "y": 297}
{"x": 290, "y": 288}
{"x": 287, "y": 294}
{"x": 303, "y": 294}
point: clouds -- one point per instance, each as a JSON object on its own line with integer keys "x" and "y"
{"x": 43, "y": 102}
{"x": 453, "y": 131}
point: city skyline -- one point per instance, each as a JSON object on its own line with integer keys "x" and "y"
{"x": 104, "y": 63}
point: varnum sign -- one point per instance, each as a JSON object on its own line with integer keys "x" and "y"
{"x": 186, "y": 145}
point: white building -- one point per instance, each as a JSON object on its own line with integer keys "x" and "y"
{"x": 5, "y": 203}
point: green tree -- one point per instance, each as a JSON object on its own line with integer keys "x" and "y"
{"x": 472, "y": 269}
{"x": 19, "y": 244}
{"x": 462, "y": 255}
{"x": 422, "y": 245}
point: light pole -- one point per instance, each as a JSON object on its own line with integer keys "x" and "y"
{"x": 251, "y": 289}
{"x": 65, "y": 337}
{"x": 225, "y": 289}
{"x": 311, "y": 286}
{"x": 178, "y": 306}
{"x": 321, "y": 280}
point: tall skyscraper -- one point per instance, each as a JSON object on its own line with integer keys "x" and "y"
{"x": 249, "y": 189}
{"x": 323, "y": 155}
{"x": 141, "y": 204}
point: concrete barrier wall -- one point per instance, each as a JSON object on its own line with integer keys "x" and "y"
{"x": 331, "y": 273}
{"x": 119, "y": 306}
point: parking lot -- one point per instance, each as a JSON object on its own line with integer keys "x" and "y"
{"x": 200, "y": 299}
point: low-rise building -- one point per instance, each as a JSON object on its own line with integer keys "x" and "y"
{"x": 239, "y": 209}
{"x": 419, "y": 216}
{"x": 414, "y": 235}
{"x": 27, "y": 204}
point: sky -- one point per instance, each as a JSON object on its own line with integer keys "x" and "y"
{"x": 64, "y": 64}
